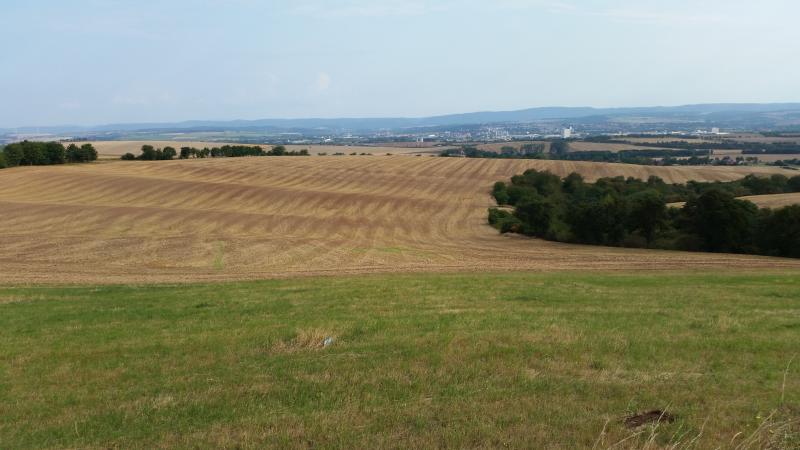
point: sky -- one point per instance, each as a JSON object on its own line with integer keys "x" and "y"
{"x": 92, "y": 62}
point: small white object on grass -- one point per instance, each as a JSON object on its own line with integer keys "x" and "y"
{"x": 328, "y": 341}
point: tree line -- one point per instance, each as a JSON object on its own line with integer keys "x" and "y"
{"x": 747, "y": 148}
{"x": 27, "y": 153}
{"x": 526, "y": 151}
{"x": 635, "y": 213}
{"x": 150, "y": 153}
{"x": 560, "y": 151}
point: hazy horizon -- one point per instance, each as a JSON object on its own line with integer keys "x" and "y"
{"x": 93, "y": 62}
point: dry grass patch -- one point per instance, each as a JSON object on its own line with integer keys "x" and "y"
{"x": 306, "y": 339}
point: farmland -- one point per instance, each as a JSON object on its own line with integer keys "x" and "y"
{"x": 255, "y": 218}
{"x": 774, "y": 200}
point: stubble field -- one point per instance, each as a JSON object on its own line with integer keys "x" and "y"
{"x": 254, "y": 218}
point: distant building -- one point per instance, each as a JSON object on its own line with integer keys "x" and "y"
{"x": 567, "y": 133}
{"x": 715, "y": 130}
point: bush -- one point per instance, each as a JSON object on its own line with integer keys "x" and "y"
{"x": 504, "y": 221}
{"x": 500, "y": 193}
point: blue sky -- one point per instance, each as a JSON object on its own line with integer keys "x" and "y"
{"x": 108, "y": 61}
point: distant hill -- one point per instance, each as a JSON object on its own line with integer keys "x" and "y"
{"x": 760, "y": 115}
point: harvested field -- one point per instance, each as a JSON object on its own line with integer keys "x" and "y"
{"x": 115, "y": 149}
{"x": 250, "y": 218}
{"x": 775, "y": 200}
{"x": 767, "y": 158}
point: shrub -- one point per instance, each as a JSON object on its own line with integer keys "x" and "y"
{"x": 500, "y": 193}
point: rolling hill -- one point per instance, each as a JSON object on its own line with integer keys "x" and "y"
{"x": 250, "y": 218}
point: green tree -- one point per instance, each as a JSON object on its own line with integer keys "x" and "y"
{"x": 168, "y": 153}
{"x": 500, "y": 193}
{"x": 33, "y": 154}
{"x": 54, "y": 153}
{"x": 779, "y": 232}
{"x": 723, "y": 223}
{"x": 13, "y": 154}
{"x": 88, "y": 153}
{"x": 277, "y": 151}
{"x": 573, "y": 183}
{"x": 793, "y": 185}
{"x": 536, "y": 213}
{"x": 148, "y": 153}
{"x": 647, "y": 213}
{"x": 73, "y": 153}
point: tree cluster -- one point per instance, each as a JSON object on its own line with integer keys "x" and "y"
{"x": 27, "y": 153}
{"x": 149, "y": 153}
{"x": 526, "y": 151}
{"x": 635, "y": 213}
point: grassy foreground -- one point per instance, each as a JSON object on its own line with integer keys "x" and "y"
{"x": 417, "y": 361}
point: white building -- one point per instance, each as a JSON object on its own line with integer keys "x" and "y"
{"x": 567, "y": 133}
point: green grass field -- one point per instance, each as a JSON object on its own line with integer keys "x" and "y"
{"x": 417, "y": 361}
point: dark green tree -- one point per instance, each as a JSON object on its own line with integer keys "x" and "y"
{"x": 647, "y": 213}
{"x": 779, "y": 232}
{"x": 536, "y": 213}
{"x": 54, "y": 153}
{"x": 88, "y": 153}
{"x": 148, "y": 153}
{"x": 793, "y": 185}
{"x": 723, "y": 223}
{"x": 13, "y": 154}
{"x": 168, "y": 153}
{"x": 500, "y": 193}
